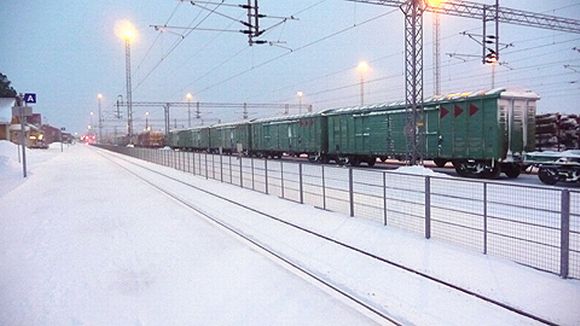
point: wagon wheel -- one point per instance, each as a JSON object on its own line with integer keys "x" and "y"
{"x": 548, "y": 176}
{"x": 461, "y": 168}
{"x": 354, "y": 161}
{"x": 512, "y": 171}
{"x": 493, "y": 173}
{"x": 440, "y": 162}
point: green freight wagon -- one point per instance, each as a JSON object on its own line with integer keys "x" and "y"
{"x": 200, "y": 138}
{"x": 481, "y": 133}
{"x": 230, "y": 137}
{"x": 292, "y": 135}
{"x": 171, "y": 139}
{"x": 184, "y": 138}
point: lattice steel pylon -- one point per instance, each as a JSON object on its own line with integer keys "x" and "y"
{"x": 413, "y": 10}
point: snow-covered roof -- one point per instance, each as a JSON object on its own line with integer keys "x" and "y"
{"x": 291, "y": 117}
{"x": 497, "y": 92}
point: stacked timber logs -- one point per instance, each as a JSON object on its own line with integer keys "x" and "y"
{"x": 557, "y": 132}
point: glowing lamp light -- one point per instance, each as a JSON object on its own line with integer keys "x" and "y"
{"x": 188, "y": 96}
{"x": 300, "y": 94}
{"x": 434, "y": 3}
{"x": 362, "y": 67}
{"x": 125, "y": 30}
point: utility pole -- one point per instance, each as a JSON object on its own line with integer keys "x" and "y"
{"x": 21, "y": 105}
{"x": 436, "y": 54}
{"x": 245, "y": 112}
{"x": 413, "y": 10}
{"x": 99, "y": 99}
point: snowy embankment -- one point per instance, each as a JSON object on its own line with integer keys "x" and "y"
{"x": 95, "y": 245}
{"x": 550, "y": 297}
{"x": 11, "y": 166}
{"x": 82, "y": 242}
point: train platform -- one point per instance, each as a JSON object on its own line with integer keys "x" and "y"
{"x": 94, "y": 237}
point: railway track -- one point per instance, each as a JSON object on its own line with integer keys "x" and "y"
{"x": 361, "y": 303}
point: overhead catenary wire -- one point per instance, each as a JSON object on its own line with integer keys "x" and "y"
{"x": 307, "y": 45}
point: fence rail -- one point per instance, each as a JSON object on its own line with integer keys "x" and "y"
{"x": 535, "y": 226}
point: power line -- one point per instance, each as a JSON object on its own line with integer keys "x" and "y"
{"x": 307, "y": 45}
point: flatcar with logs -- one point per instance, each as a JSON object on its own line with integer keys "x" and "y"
{"x": 150, "y": 139}
{"x": 481, "y": 133}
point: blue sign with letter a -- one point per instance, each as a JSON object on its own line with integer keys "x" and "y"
{"x": 30, "y": 97}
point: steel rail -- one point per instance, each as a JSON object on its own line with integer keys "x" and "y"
{"x": 355, "y": 249}
{"x": 264, "y": 248}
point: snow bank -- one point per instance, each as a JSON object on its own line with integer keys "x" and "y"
{"x": 420, "y": 170}
{"x": 8, "y": 151}
{"x": 55, "y": 145}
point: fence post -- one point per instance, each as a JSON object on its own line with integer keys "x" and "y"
{"x": 206, "y": 169}
{"x": 241, "y": 172}
{"x": 221, "y": 168}
{"x": 266, "y": 174}
{"x": 301, "y": 183}
{"x": 213, "y": 166}
{"x": 231, "y": 173}
{"x": 323, "y": 189}
{"x": 485, "y": 218}
{"x": 385, "y": 198}
{"x": 193, "y": 161}
{"x": 282, "y": 178}
{"x": 427, "y": 207}
{"x": 350, "y": 192}
{"x": 565, "y": 234}
{"x": 252, "y": 165}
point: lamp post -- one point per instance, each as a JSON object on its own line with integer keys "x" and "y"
{"x": 99, "y": 98}
{"x": 189, "y": 97}
{"x": 300, "y": 95}
{"x": 146, "y": 121}
{"x": 127, "y": 32}
{"x": 92, "y": 114}
{"x": 362, "y": 68}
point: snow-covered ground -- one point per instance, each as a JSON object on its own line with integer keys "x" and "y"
{"x": 84, "y": 242}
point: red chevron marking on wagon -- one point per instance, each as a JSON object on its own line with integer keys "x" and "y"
{"x": 458, "y": 110}
{"x": 443, "y": 112}
{"x": 473, "y": 109}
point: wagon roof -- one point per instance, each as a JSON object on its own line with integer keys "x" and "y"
{"x": 496, "y": 92}
{"x": 292, "y": 117}
{"x": 230, "y": 124}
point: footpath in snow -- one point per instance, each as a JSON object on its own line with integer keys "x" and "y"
{"x": 95, "y": 245}
{"x": 82, "y": 242}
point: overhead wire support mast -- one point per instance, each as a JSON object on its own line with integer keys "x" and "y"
{"x": 414, "y": 9}
{"x": 252, "y": 24}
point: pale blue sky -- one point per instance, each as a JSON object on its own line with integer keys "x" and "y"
{"x": 67, "y": 52}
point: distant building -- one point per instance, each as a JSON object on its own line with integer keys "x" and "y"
{"x": 4, "y": 130}
{"x": 51, "y": 134}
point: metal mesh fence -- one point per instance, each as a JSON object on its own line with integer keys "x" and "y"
{"x": 312, "y": 185}
{"x": 574, "y": 253}
{"x": 524, "y": 225}
{"x": 534, "y": 226}
{"x": 291, "y": 177}
{"x": 336, "y": 193}
{"x": 457, "y": 212}
{"x": 368, "y": 195}
{"x": 405, "y": 201}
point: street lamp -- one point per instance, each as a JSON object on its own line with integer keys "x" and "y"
{"x": 92, "y": 114}
{"x": 146, "y": 121}
{"x": 362, "y": 69}
{"x": 99, "y": 98}
{"x": 300, "y": 95}
{"x": 188, "y": 96}
{"x": 127, "y": 32}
